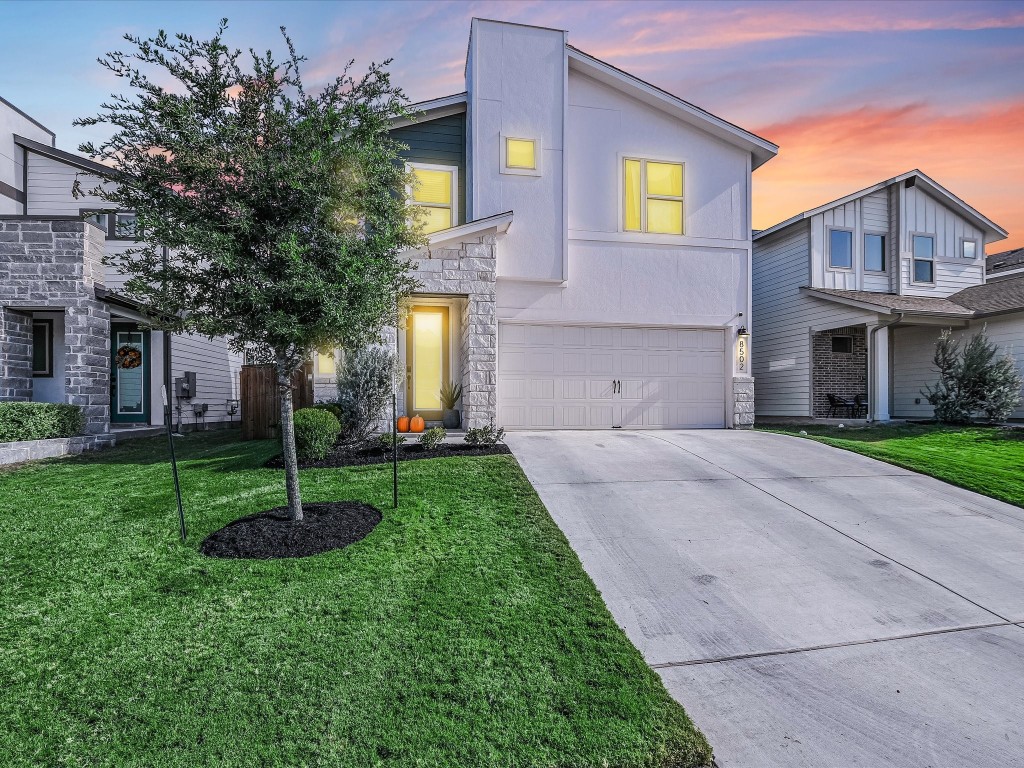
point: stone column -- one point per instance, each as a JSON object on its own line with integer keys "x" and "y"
{"x": 15, "y": 355}
{"x": 742, "y": 402}
{"x": 87, "y": 362}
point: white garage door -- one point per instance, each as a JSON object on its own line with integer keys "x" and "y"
{"x": 589, "y": 377}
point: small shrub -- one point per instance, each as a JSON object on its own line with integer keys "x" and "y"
{"x": 39, "y": 421}
{"x": 364, "y": 391}
{"x": 432, "y": 437}
{"x": 486, "y": 436}
{"x": 388, "y": 441}
{"x": 973, "y": 379}
{"x": 331, "y": 408}
{"x": 316, "y": 430}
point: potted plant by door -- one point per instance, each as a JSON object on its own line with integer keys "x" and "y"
{"x": 450, "y": 394}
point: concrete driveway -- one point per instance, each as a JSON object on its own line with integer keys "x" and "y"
{"x": 808, "y": 606}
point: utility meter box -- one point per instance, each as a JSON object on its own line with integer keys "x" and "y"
{"x": 185, "y": 386}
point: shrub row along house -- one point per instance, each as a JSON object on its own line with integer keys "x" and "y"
{"x": 590, "y": 264}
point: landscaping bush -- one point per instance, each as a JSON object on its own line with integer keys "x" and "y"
{"x": 364, "y": 391}
{"x": 488, "y": 436}
{"x": 331, "y": 408}
{"x": 39, "y": 421}
{"x": 388, "y": 441}
{"x": 974, "y": 379}
{"x": 432, "y": 437}
{"x": 316, "y": 431}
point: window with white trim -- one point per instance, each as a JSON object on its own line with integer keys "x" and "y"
{"x": 924, "y": 259}
{"x": 969, "y": 249}
{"x": 652, "y": 196}
{"x": 840, "y": 248}
{"x": 435, "y": 190}
{"x": 874, "y": 252}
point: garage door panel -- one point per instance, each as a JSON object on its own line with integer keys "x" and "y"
{"x": 561, "y": 377}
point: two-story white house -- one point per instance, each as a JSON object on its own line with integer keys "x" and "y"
{"x": 589, "y": 265}
{"x": 850, "y": 297}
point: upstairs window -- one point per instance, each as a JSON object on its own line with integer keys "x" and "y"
{"x": 115, "y": 226}
{"x": 435, "y": 191}
{"x": 521, "y": 153}
{"x": 874, "y": 253}
{"x": 969, "y": 249}
{"x": 924, "y": 259}
{"x": 652, "y": 197}
{"x": 840, "y": 249}
{"x": 124, "y": 226}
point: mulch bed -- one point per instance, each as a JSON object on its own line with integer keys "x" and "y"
{"x": 354, "y": 457}
{"x": 271, "y": 534}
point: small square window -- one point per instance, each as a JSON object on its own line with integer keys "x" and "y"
{"x": 840, "y": 249}
{"x": 969, "y": 249}
{"x": 521, "y": 153}
{"x": 842, "y": 345}
{"x": 124, "y": 226}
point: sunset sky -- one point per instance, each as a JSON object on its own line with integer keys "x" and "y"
{"x": 853, "y": 93}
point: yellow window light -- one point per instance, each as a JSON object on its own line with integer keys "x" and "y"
{"x": 521, "y": 153}
{"x": 432, "y": 187}
{"x": 665, "y": 217}
{"x": 435, "y": 219}
{"x": 665, "y": 179}
{"x": 631, "y": 196}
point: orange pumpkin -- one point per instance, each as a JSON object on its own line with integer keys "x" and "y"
{"x": 403, "y": 423}
{"x": 416, "y": 424}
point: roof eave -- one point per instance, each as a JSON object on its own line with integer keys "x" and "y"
{"x": 431, "y": 109}
{"x": 881, "y": 309}
{"x": 761, "y": 149}
{"x": 82, "y": 163}
{"x": 498, "y": 223}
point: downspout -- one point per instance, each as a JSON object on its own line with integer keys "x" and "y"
{"x": 871, "y": 367}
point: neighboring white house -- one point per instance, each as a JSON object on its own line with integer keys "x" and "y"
{"x": 44, "y": 287}
{"x": 850, "y": 297}
{"x": 590, "y": 266}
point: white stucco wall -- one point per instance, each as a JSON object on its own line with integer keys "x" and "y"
{"x": 50, "y": 389}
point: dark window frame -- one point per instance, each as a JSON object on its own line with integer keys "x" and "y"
{"x": 880, "y": 235}
{"x": 830, "y": 263}
{"x": 842, "y": 337}
{"x": 929, "y": 260}
{"x": 48, "y": 372}
{"x": 110, "y": 231}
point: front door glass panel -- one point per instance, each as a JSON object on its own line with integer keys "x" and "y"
{"x": 131, "y": 373}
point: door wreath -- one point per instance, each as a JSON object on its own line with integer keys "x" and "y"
{"x": 128, "y": 357}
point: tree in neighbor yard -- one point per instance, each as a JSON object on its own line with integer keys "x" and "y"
{"x": 277, "y": 207}
{"x": 973, "y": 378}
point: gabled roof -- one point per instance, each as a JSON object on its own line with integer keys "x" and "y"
{"x": 432, "y": 109}
{"x": 499, "y": 222}
{"x": 1005, "y": 261}
{"x": 920, "y": 179}
{"x": 761, "y": 149}
{"x": 29, "y": 117}
{"x": 77, "y": 161}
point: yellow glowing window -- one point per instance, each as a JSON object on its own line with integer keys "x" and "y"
{"x": 433, "y": 190}
{"x": 427, "y": 346}
{"x": 521, "y": 153}
{"x": 325, "y": 365}
{"x": 652, "y": 197}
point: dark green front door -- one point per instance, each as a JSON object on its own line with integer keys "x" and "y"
{"x": 129, "y": 374}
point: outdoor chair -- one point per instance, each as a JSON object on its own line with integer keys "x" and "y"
{"x": 860, "y": 406}
{"x": 837, "y": 404}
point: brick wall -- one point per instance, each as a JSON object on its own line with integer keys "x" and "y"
{"x": 838, "y": 373}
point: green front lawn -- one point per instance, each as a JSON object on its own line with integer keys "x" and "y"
{"x": 462, "y": 632}
{"x": 989, "y": 460}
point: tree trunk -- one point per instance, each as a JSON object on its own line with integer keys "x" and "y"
{"x": 291, "y": 463}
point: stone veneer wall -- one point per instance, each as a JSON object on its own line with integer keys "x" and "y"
{"x": 15, "y": 353}
{"x": 838, "y": 373}
{"x": 56, "y": 263}
{"x": 467, "y": 270}
{"x": 742, "y": 402}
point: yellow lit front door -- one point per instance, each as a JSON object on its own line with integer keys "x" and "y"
{"x": 427, "y": 360}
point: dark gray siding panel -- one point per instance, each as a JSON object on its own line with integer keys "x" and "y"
{"x": 442, "y": 142}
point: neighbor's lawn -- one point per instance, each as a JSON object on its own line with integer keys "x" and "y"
{"x": 461, "y": 632}
{"x": 988, "y": 460}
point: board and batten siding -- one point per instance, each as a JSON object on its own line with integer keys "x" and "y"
{"x": 913, "y": 368}
{"x": 438, "y": 142}
{"x": 865, "y": 215}
{"x": 783, "y": 320}
{"x": 920, "y": 213}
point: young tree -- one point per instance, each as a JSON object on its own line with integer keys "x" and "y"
{"x": 270, "y": 214}
{"x": 973, "y": 379}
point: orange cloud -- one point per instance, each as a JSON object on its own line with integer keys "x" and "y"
{"x": 978, "y": 155}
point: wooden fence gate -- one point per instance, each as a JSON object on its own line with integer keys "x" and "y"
{"x": 261, "y": 402}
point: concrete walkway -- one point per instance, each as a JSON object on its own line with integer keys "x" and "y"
{"x": 808, "y": 606}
